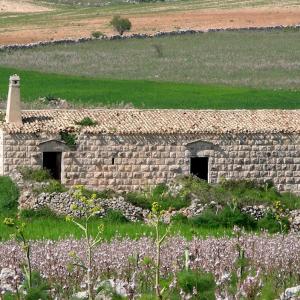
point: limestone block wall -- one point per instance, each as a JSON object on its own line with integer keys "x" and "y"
{"x": 128, "y": 162}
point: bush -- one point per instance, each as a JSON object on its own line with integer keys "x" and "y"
{"x": 43, "y": 212}
{"x": 179, "y": 218}
{"x": 227, "y": 217}
{"x": 160, "y": 195}
{"x": 68, "y": 138}
{"x": 201, "y": 281}
{"x": 269, "y": 223}
{"x": 120, "y": 24}
{"x": 9, "y": 194}
{"x": 115, "y": 216}
{"x": 38, "y": 175}
{"x": 96, "y": 34}
{"x": 53, "y": 186}
{"x": 87, "y": 121}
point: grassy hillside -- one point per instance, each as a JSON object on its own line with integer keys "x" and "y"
{"x": 267, "y": 59}
{"x": 149, "y": 94}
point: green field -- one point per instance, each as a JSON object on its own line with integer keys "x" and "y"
{"x": 83, "y": 91}
{"x": 57, "y": 228}
{"x": 266, "y": 59}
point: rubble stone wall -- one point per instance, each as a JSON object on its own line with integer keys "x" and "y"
{"x": 131, "y": 162}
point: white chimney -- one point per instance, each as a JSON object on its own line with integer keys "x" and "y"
{"x": 13, "y": 110}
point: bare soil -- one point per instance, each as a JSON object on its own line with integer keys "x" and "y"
{"x": 20, "y": 6}
{"x": 153, "y": 22}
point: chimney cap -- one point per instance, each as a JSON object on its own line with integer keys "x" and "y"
{"x": 14, "y": 80}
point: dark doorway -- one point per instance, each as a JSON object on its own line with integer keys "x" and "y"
{"x": 199, "y": 167}
{"x": 52, "y": 162}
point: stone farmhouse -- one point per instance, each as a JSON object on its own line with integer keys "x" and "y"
{"x": 127, "y": 149}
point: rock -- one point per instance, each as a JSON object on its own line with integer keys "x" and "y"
{"x": 8, "y": 279}
{"x": 291, "y": 293}
{"x": 80, "y": 296}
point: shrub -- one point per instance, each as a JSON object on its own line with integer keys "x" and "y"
{"x": 53, "y": 186}
{"x": 105, "y": 194}
{"x": 120, "y": 24}
{"x": 9, "y": 194}
{"x": 87, "y": 121}
{"x": 270, "y": 223}
{"x": 179, "y": 218}
{"x": 202, "y": 282}
{"x": 38, "y": 175}
{"x": 43, "y": 212}
{"x": 68, "y": 138}
{"x": 115, "y": 216}
{"x": 96, "y": 34}
{"x": 160, "y": 195}
{"x": 227, "y": 217}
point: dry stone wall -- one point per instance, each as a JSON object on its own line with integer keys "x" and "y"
{"x": 131, "y": 162}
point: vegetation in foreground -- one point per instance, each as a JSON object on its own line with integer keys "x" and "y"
{"x": 257, "y": 59}
{"x": 149, "y": 264}
{"x": 87, "y": 92}
{"x": 222, "y": 209}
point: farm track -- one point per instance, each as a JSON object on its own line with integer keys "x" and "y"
{"x": 73, "y": 22}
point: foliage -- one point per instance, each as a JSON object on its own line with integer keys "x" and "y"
{"x": 155, "y": 219}
{"x": 202, "y": 283}
{"x": 40, "y": 213}
{"x": 38, "y": 175}
{"x": 159, "y": 194}
{"x": 68, "y": 138}
{"x": 52, "y": 186}
{"x": 115, "y": 216}
{"x": 20, "y": 236}
{"x": 96, "y": 34}
{"x": 9, "y": 194}
{"x": 237, "y": 193}
{"x": 227, "y": 218}
{"x": 39, "y": 288}
{"x": 120, "y": 24}
{"x": 104, "y": 194}
{"x": 272, "y": 225}
{"x": 87, "y": 209}
{"x": 87, "y": 121}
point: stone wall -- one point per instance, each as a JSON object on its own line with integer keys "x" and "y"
{"x": 127, "y": 162}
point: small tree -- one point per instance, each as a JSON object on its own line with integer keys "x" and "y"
{"x": 87, "y": 208}
{"x": 120, "y": 24}
{"x": 156, "y": 219}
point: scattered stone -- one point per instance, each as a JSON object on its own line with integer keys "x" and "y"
{"x": 291, "y": 293}
{"x": 80, "y": 296}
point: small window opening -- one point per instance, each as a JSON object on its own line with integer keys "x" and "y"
{"x": 113, "y": 161}
{"x": 199, "y": 167}
{"x": 52, "y": 163}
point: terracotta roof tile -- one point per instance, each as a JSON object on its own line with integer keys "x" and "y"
{"x": 132, "y": 121}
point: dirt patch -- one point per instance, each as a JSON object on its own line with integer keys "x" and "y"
{"x": 153, "y": 22}
{"x": 20, "y": 6}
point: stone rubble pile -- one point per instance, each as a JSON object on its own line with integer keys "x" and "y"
{"x": 136, "y": 36}
{"x": 60, "y": 204}
{"x": 294, "y": 219}
{"x": 256, "y": 211}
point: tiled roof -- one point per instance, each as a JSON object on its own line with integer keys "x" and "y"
{"x": 132, "y": 121}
